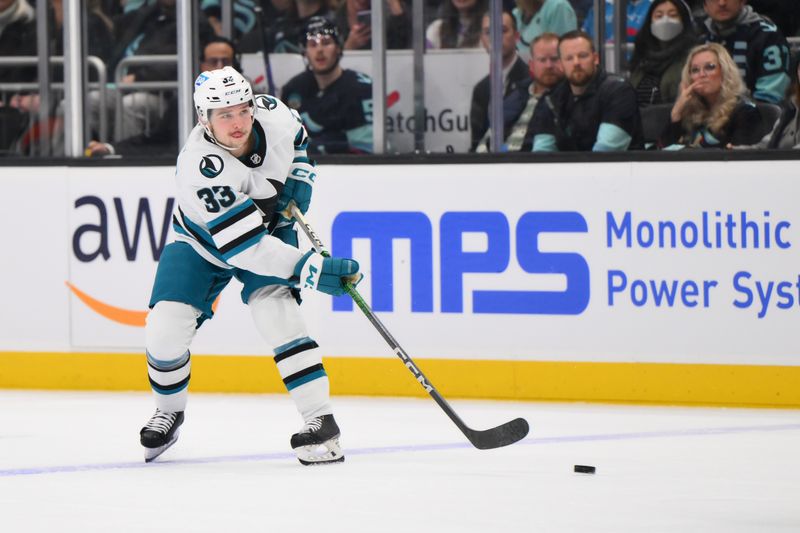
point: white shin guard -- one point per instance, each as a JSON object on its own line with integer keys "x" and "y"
{"x": 170, "y": 328}
{"x": 278, "y": 319}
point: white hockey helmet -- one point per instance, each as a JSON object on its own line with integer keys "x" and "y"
{"x": 214, "y": 89}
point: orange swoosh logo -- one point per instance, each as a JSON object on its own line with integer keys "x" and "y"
{"x": 127, "y": 317}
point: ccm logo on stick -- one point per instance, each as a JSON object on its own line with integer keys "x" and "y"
{"x": 382, "y": 228}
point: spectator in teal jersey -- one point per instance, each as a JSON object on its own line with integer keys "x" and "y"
{"x": 637, "y": 14}
{"x": 755, "y": 43}
{"x": 535, "y": 17}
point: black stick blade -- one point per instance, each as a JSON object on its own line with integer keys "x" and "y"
{"x": 502, "y": 435}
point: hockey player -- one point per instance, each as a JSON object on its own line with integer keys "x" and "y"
{"x": 239, "y": 169}
{"x": 335, "y": 103}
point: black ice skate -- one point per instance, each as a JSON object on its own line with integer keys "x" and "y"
{"x": 318, "y": 442}
{"x": 160, "y": 432}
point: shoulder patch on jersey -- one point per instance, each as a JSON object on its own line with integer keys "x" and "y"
{"x": 266, "y": 102}
{"x": 211, "y": 165}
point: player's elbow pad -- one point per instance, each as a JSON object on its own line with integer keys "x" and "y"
{"x": 326, "y": 274}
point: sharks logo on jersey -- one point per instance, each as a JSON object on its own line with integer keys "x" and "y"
{"x": 266, "y": 102}
{"x": 211, "y": 165}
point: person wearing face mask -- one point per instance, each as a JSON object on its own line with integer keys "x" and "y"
{"x": 660, "y": 51}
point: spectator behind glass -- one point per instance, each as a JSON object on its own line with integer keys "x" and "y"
{"x": 546, "y": 71}
{"x": 712, "y": 109}
{"x": 286, "y": 33}
{"x": 637, "y": 15}
{"x": 535, "y": 17}
{"x": 162, "y": 141}
{"x": 354, "y": 23}
{"x": 458, "y": 25}
{"x": 244, "y": 17}
{"x": 100, "y": 40}
{"x": 786, "y": 132}
{"x": 660, "y": 52}
{"x": 17, "y": 38}
{"x": 334, "y": 103}
{"x": 756, "y": 45}
{"x": 149, "y": 30}
{"x": 784, "y": 13}
{"x": 516, "y": 79}
{"x": 589, "y": 110}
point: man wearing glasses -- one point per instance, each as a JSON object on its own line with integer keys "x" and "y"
{"x": 755, "y": 43}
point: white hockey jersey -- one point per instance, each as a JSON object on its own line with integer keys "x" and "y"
{"x": 224, "y": 205}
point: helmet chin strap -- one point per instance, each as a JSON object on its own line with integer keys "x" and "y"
{"x": 213, "y": 138}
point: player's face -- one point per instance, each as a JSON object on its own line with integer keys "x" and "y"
{"x": 544, "y": 65}
{"x": 723, "y": 10}
{"x": 232, "y": 125}
{"x": 705, "y": 70}
{"x": 322, "y": 53}
{"x": 578, "y": 61}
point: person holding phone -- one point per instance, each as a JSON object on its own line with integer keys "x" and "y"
{"x": 354, "y": 20}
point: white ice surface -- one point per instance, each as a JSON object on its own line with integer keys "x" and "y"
{"x": 71, "y": 462}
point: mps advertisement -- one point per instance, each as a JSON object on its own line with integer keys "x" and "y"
{"x": 629, "y": 262}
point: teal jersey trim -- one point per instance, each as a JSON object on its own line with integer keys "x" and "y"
{"x": 208, "y": 247}
{"x": 544, "y": 142}
{"x": 611, "y": 138}
{"x": 305, "y": 379}
{"x": 289, "y": 345}
{"x": 167, "y": 392}
{"x": 172, "y": 364}
{"x": 360, "y": 138}
{"x": 230, "y": 214}
{"x": 252, "y": 241}
{"x": 771, "y": 88}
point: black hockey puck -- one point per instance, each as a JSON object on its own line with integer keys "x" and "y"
{"x": 584, "y": 469}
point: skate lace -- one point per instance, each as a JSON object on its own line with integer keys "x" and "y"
{"x": 161, "y": 422}
{"x": 312, "y": 425}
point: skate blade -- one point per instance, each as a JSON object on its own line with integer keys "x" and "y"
{"x": 150, "y": 454}
{"x": 318, "y": 454}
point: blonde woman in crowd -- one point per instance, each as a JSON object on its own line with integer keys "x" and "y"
{"x": 712, "y": 109}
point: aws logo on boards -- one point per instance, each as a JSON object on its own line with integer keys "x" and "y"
{"x": 92, "y": 241}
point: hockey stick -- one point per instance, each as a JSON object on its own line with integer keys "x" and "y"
{"x": 502, "y": 435}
